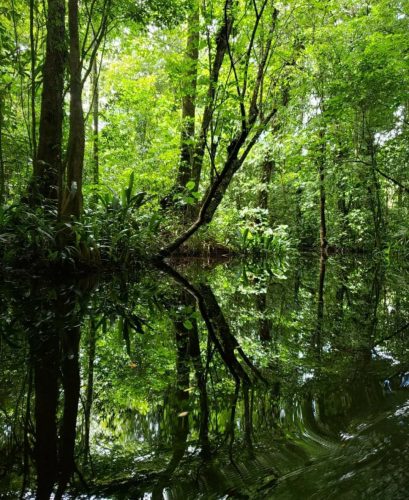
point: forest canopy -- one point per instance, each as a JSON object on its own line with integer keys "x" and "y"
{"x": 135, "y": 128}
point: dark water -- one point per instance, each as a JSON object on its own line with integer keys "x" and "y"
{"x": 284, "y": 380}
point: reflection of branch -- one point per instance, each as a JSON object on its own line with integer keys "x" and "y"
{"x": 218, "y": 328}
{"x": 389, "y": 337}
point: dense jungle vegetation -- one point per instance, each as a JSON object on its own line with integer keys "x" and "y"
{"x": 139, "y": 129}
{"x": 270, "y": 138}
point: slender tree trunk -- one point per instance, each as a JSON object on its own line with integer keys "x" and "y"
{"x": 90, "y": 385}
{"x": 222, "y": 41}
{"x": 72, "y": 198}
{"x": 267, "y": 170}
{"x": 48, "y": 165}
{"x": 189, "y": 99}
{"x": 2, "y": 170}
{"x": 33, "y": 85}
{"x": 264, "y": 322}
{"x": 95, "y": 121}
{"x": 323, "y": 221}
{"x": 375, "y": 193}
{"x": 194, "y": 351}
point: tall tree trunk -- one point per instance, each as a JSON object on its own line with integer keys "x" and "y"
{"x": 48, "y": 165}
{"x": 323, "y": 221}
{"x": 189, "y": 99}
{"x": 267, "y": 169}
{"x": 2, "y": 170}
{"x": 33, "y": 85}
{"x": 72, "y": 198}
{"x": 375, "y": 194}
{"x": 95, "y": 121}
{"x": 222, "y": 41}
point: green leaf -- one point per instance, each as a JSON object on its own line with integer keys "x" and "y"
{"x": 188, "y": 324}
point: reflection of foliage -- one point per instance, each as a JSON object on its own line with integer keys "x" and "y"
{"x": 152, "y": 419}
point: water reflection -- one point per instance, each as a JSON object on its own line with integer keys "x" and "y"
{"x": 240, "y": 381}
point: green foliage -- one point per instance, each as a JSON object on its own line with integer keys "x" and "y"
{"x": 259, "y": 238}
{"x": 122, "y": 229}
{"x": 337, "y": 77}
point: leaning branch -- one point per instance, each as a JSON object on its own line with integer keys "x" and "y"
{"x": 391, "y": 179}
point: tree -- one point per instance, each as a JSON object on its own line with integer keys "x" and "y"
{"x": 47, "y": 167}
{"x": 246, "y": 91}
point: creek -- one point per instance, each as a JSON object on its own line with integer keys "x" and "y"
{"x": 284, "y": 379}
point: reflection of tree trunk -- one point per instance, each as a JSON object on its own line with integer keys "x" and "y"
{"x": 231, "y": 427}
{"x": 217, "y": 327}
{"x": 46, "y": 355}
{"x": 54, "y": 350}
{"x": 320, "y": 308}
{"x": 222, "y": 336}
{"x": 375, "y": 298}
{"x": 248, "y": 424}
{"x": 90, "y": 386}
{"x": 181, "y": 397}
{"x": 194, "y": 350}
{"x": 264, "y": 321}
{"x": 71, "y": 385}
{"x": 27, "y": 448}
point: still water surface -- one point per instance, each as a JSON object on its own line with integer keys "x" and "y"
{"x": 285, "y": 380}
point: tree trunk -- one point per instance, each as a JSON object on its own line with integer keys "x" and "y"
{"x": 48, "y": 165}
{"x": 33, "y": 85}
{"x": 95, "y": 122}
{"x": 323, "y": 221}
{"x": 71, "y": 204}
{"x": 222, "y": 40}
{"x": 267, "y": 169}
{"x": 189, "y": 99}
{"x": 215, "y": 193}
{"x": 2, "y": 170}
{"x": 375, "y": 194}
